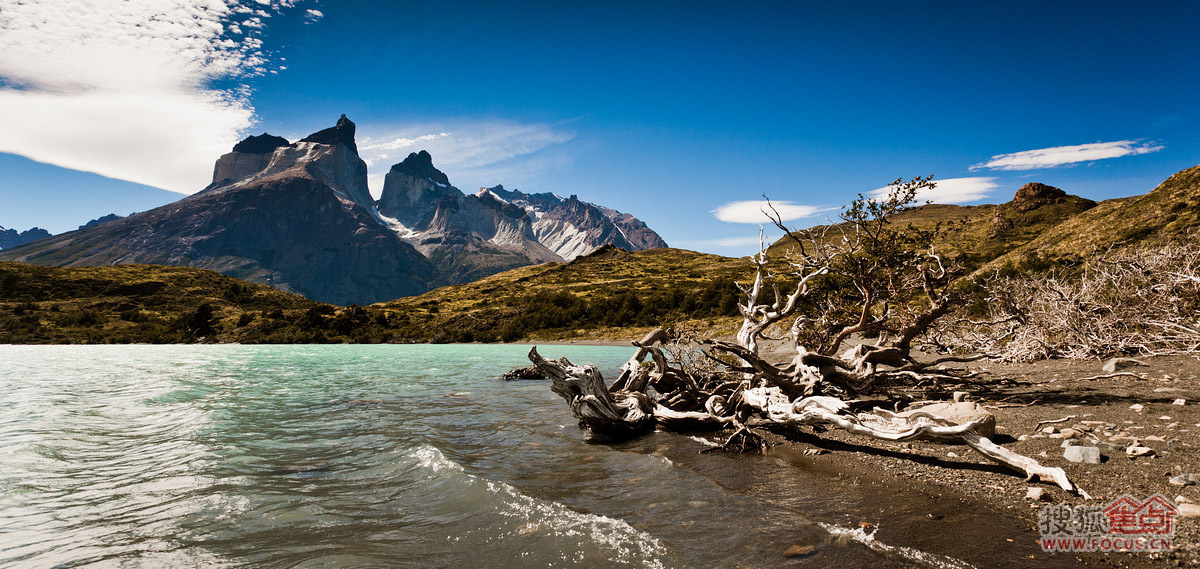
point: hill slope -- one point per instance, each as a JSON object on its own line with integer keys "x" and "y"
{"x": 593, "y": 296}
{"x": 976, "y": 234}
{"x": 1170, "y": 211}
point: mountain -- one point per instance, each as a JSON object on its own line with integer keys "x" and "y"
{"x": 467, "y": 236}
{"x": 10, "y": 238}
{"x": 474, "y": 235}
{"x": 296, "y": 216}
{"x": 571, "y": 227}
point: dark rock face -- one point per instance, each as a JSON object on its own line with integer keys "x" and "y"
{"x": 102, "y": 219}
{"x": 12, "y": 238}
{"x": 420, "y": 165}
{"x": 1034, "y": 195}
{"x": 342, "y": 133}
{"x": 261, "y": 144}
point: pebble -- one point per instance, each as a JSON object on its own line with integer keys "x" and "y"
{"x": 1186, "y": 480}
{"x": 1165, "y": 418}
{"x": 1179, "y": 402}
{"x": 1089, "y": 455}
{"x": 959, "y": 396}
{"x": 952, "y": 454}
{"x": 1155, "y": 438}
{"x": 1189, "y": 510}
{"x": 1036, "y": 494}
{"x": 1181, "y": 499}
{"x": 1136, "y": 451}
{"x": 1137, "y": 407}
{"x": 1049, "y": 429}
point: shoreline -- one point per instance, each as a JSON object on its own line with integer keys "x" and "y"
{"x": 1021, "y": 396}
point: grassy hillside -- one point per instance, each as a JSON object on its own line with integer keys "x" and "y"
{"x": 977, "y": 234}
{"x": 597, "y": 296}
{"x": 1169, "y": 212}
{"x": 594, "y": 296}
{"x": 153, "y": 304}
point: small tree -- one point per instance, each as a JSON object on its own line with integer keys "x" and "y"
{"x": 864, "y": 276}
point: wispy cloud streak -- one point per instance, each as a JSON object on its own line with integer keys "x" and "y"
{"x": 950, "y": 190}
{"x": 1067, "y": 155}
{"x": 754, "y": 211}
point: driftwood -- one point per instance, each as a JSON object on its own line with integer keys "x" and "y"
{"x": 623, "y": 414}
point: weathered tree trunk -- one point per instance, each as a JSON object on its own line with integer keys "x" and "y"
{"x": 624, "y": 413}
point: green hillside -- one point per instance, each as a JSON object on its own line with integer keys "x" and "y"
{"x": 599, "y": 295}
{"x": 596, "y": 296}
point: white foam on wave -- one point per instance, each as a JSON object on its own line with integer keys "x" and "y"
{"x": 625, "y": 545}
{"x": 430, "y": 457}
{"x": 861, "y": 535}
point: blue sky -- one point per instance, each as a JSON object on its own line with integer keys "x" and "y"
{"x": 680, "y": 113}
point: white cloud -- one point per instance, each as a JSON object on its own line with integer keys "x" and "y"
{"x": 950, "y": 190}
{"x": 754, "y": 211}
{"x": 1065, "y": 155}
{"x": 482, "y": 152}
{"x": 311, "y": 15}
{"x": 122, "y": 88}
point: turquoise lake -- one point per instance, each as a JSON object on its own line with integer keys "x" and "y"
{"x": 390, "y": 456}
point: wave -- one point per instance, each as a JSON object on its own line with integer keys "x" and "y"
{"x": 533, "y": 529}
{"x": 926, "y": 558}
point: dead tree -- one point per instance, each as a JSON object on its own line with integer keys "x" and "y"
{"x": 844, "y": 283}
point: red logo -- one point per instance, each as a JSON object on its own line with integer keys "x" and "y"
{"x": 1129, "y": 516}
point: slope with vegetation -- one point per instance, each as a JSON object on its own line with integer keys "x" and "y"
{"x": 593, "y": 294}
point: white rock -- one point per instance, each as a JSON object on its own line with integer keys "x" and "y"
{"x": 1179, "y": 402}
{"x": 1036, "y": 494}
{"x": 1089, "y": 455}
{"x": 1137, "y": 407}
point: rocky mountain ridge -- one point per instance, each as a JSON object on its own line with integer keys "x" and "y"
{"x": 10, "y": 238}
{"x": 299, "y": 217}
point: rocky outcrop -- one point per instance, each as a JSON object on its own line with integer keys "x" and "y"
{"x": 341, "y": 134}
{"x": 1034, "y": 208}
{"x": 12, "y": 238}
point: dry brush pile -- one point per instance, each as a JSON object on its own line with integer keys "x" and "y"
{"x": 1137, "y": 301}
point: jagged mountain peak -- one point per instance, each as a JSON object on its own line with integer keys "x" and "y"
{"x": 260, "y": 144}
{"x": 341, "y": 133}
{"x": 420, "y": 165}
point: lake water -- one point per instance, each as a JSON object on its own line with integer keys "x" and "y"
{"x": 408, "y": 456}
